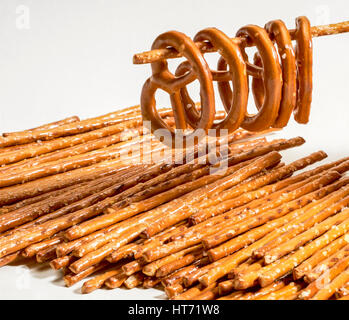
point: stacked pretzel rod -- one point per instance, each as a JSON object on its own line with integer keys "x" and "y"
{"x": 109, "y": 206}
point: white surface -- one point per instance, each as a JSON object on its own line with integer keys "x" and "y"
{"x": 76, "y": 58}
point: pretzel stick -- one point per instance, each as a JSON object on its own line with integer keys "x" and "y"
{"x": 134, "y": 280}
{"x": 147, "y": 174}
{"x": 68, "y": 247}
{"x": 81, "y": 198}
{"x": 73, "y": 157}
{"x": 110, "y": 218}
{"x": 71, "y": 279}
{"x": 122, "y": 253}
{"x": 173, "y": 291}
{"x": 110, "y": 186}
{"x": 71, "y": 143}
{"x": 208, "y": 294}
{"x": 114, "y": 125}
{"x": 47, "y": 126}
{"x": 81, "y": 204}
{"x": 343, "y": 291}
{"x": 33, "y": 188}
{"x": 157, "y": 225}
{"x": 111, "y": 233}
{"x": 204, "y": 47}
{"x": 97, "y": 256}
{"x": 115, "y": 281}
{"x": 159, "y": 239}
{"x": 98, "y": 281}
{"x": 188, "y": 294}
{"x": 263, "y": 291}
{"x": 225, "y": 287}
{"x": 258, "y": 206}
{"x": 62, "y": 262}
{"x": 255, "y": 206}
{"x": 44, "y": 196}
{"x": 132, "y": 267}
{"x": 243, "y": 266}
{"x": 19, "y": 147}
{"x": 151, "y": 282}
{"x": 322, "y": 225}
{"x": 178, "y": 276}
{"x": 247, "y": 197}
{"x": 46, "y": 254}
{"x": 212, "y": 190}
{"x": 340, "y": 166}
{"x": 74, "y": 128}
{"x": 192, "y": 278}
{"x": 9, "y": 259}
{"x": 318, "y": 212}
{"x": 305, "y": 209}
{"x": 128, "y": 110}
{"x": 279, "y": 269}
{"x": 151, "y": 268}
{"x": 232, "y": 230}
{"x": 314, "y": 287}
{"x": 239, "y": 176}
{"x": 235, "y": 214}
{"x": 125, "y": 111}
{"x": 251, "y": 279}
{"x": 256, "y": 212}
{"x": 35, "y": 248}
{"x": 154, "y": 179}
{"x": 177, "y": 264}
{"x": 260, "y": 186}
{"x": 319, "y": 256}
{"x": 62, "y": 165}
{"x": 264, "y": 190}
{"x": 45, "y": 230}
{"x": 247, "y": 278}
{"x": 237, "y": 147}
{"x": 174, "y": 170}
{"x": 222, "y": 267}
{"x": 238, "y": 273}
{"x": 50, "y": 125}
{"x": 143, "y": 196}
{"x": 326, "y": 292}
{"x": 17, "y": 153}
{"x": 82, "y": 148}
{"x": 325, "y": 265}
{"x": 233, "y": 296}
{"x": 121, "y": 141}
{"x": 288, "y": 292}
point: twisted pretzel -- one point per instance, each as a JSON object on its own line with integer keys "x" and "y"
{"x": 281, "y": 78}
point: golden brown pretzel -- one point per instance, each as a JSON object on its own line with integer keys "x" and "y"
{"x": 281, "y": 79}
{"x": 304, "y": 56}
{"x": 235, "y": 102}
{"x": 163, "y": 79}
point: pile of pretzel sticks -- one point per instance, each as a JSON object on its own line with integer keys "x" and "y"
{"x": 233, "y": 222}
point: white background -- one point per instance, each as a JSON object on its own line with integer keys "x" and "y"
{"x": 75, "y": 57}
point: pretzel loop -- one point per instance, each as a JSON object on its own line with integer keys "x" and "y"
{"x": 278, "y": 31}
{"x": 304, "y": 57}
{"x": 272, "y": 79}
{"x": 235, "y": 103}
{"x": 163, "y": 79}
{"x": 281, "y": 78}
